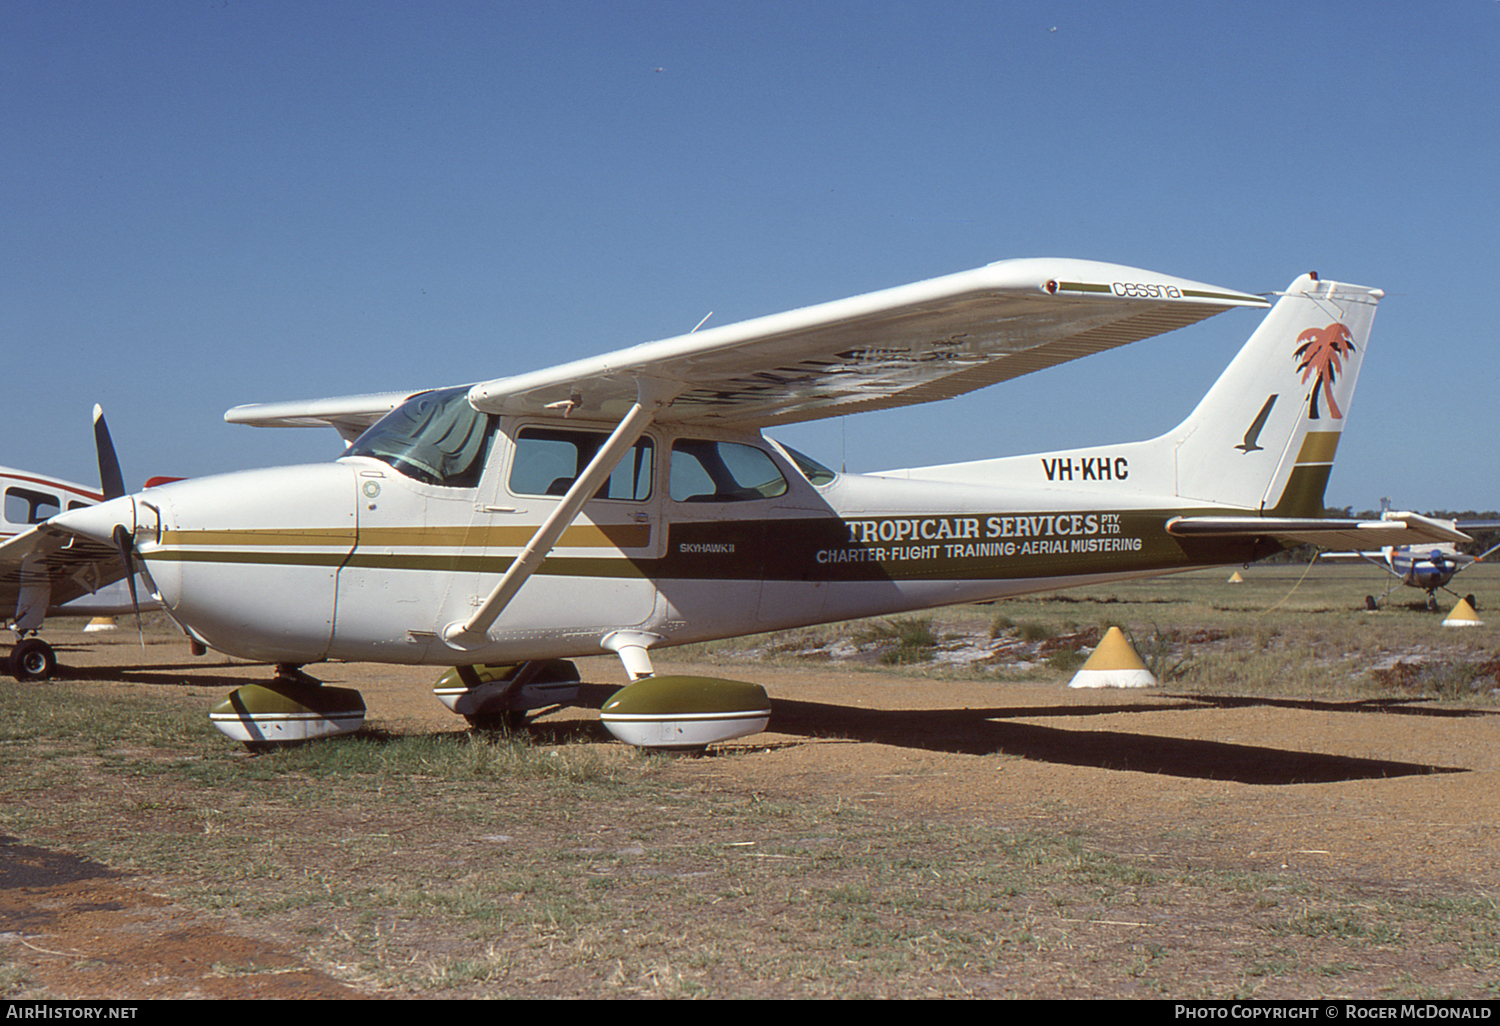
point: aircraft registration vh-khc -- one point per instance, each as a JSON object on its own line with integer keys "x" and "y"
{"x": 630, "y": 502}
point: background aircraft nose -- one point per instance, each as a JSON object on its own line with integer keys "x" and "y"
{"x": 98, "y": 523}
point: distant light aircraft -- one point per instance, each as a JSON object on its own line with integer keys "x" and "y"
{"x": 1430, "y": 567}
{"x": 33, "y": 588}
{"x": 630, "y": 502}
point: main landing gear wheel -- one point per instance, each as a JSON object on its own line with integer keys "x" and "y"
{"x": 32, "y": 659}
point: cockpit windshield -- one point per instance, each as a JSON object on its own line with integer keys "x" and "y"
{"x": 435, "y": 437}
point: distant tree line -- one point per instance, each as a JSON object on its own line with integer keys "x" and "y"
{"x": 1483, "y": 539}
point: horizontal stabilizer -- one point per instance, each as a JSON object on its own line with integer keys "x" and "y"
{"x": 1392, "y": 529}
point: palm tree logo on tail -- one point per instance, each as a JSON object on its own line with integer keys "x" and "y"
{"x": 1322, "y": 353}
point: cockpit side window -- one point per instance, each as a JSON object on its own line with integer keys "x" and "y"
{"x": 435, "y": 437}
{"x": 548, "y": 461}
{"x": 709, "y": 471}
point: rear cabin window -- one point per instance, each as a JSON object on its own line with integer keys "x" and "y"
{"x": 707, "y": 471}
{"x": 27, "y": 506}
{"x": 548, "y": 461}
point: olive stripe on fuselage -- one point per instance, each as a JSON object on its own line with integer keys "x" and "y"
{"x": 867, "y": 548}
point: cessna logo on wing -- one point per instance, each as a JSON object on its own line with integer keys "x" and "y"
{"x": 1145, "y": 290}
{"x": 1321, "y": 357}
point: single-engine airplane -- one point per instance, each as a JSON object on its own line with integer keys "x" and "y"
{"x": 630, "y": 502}
{"x": 33, "y": 587}
{"x": 1430, "y": 567}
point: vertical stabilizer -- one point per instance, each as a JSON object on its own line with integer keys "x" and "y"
{"x": 1265, "y": 435}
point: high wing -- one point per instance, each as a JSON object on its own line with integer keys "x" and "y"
{"x": 912, "y": 344}
{"x": 348, "y": 415}
{"x": 1392, "y": 529}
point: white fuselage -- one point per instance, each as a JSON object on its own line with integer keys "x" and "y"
{"x": 355, "y": 560}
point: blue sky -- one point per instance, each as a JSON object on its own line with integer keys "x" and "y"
{"x": 229, "y": 201}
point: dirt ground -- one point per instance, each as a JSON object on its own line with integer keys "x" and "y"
{"x": 1404, "y": 793}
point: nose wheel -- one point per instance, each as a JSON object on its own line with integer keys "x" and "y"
{"x": 32, "y": 659}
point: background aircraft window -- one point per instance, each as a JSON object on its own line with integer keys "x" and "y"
{"x": 24, "y": 506}
{"x": 548, "y": 460}
{"x": 704, "y": 471}
{"x": 436, "y": 437}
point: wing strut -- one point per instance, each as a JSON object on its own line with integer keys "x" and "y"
{"x": 651, "y": 396}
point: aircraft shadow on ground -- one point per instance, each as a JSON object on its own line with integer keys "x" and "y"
{"x": 988, "y": 732}
{"x": 172, "y": 674}
{"x": 1415, "y": 706}
{"x": 25, "y": 865}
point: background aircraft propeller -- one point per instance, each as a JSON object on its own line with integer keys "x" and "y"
{"x": 111, "y": 481}
{"x": 112, "y": 484}
{"x": 125, "y": 543}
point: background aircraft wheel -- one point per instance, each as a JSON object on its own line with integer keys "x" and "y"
{"x": 32, "y": 659}
{"x": 1370, "y": 603}
{"x": 1474, "y": 605}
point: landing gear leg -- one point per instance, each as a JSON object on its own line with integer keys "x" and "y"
{"x": 506, "y": 720}
{"x": 32, "y": 659}
{"x": 292, "y": 673}
{"x": 502, "y": 697}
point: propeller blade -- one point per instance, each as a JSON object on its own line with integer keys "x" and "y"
{"x": 125, "y": 542}
{"x": 111, "y": 481}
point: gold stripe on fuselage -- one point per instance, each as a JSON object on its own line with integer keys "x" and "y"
{"x": 583, "y": 536}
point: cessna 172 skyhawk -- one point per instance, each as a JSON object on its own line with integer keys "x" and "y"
{"x": 629, "y": 502}
{"x": 1429, "y": 567}
{"x": 34, "y": 585}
